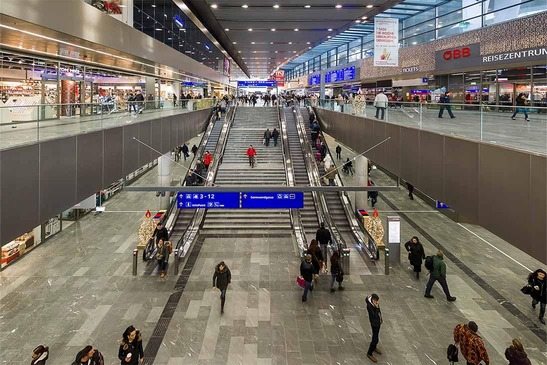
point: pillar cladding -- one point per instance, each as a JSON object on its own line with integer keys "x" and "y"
{"x": 361, "y": 175}
{"x": 164, "y": 178}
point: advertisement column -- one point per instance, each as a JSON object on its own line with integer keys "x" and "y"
{"x": 386, "y": 42}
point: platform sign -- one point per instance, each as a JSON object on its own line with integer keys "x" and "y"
{"x": 257, "y": 83}
{"x": 208, "y": 200}
{"x": 251, "y": 200}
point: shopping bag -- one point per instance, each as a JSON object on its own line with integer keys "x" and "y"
{"x": 264, "y": 141}
{"x": 300, "y": 281}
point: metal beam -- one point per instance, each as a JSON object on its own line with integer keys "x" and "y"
{"x": 257, "y": 189}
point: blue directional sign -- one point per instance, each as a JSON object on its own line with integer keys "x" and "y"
{"x": 441, "y": 205}
{"x": 272, "y": 200}
{"x": 257, "y": 83}
{"x": 314, "y": 80}
{"x": 207, "y": 200}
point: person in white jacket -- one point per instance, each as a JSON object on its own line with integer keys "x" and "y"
{"x": 380, "y": 102}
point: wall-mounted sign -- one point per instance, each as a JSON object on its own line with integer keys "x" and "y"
{"x": 531, "y": 54}
{"x": 409, "y": 70}
{"x": 314, "y": 80}
{"x": 343, "y": 74}
{"x": 279, "y": 77}
{"x": 425, "y": 80}
{"x": 256, "y": 83}
{"x": 456, "y": 58}
{"x": 386, "y": 42}
{"x": 193, "y": 84}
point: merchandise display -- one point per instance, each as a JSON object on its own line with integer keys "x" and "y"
{"x": 17, "y": 247}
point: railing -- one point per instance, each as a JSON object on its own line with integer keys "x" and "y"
{"x": 520, "y": 127}
{"x": 23, "y": 122}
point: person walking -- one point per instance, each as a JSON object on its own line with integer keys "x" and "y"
{"x": 338, "y": 152}
{"x": 445, "y": 104}
{"x": 516, "y": 354}
{"x": 348, "y": 167}
{"x": 251, "y": 154}
{"x": 410, "y": 190}
{"x": 471, "y": 344}
{"x": 521, "y": 102}
{"x": 438, "y": 274}
{"x": 317, "y": 258}
{"x": 89, "y": 356}
{"x": 198, "y": 172}
{"x": 324, "y": 238}
{"x": 336, "y": 271}
{"x": 160, "y": 233}
{"x": 40, "y": 355}
{"x": 415, "y": 254}
{"x": 375, "y": 317}
{"x": 194, "y": 150}
{"x": 162, "y": 256}
{"x": 275, "y": 136}
{"x": 174, "y": 100}
{"x": 307, "y": 272}
{"x": 380, "y": 103}
{"x": 131, "y": 351}
{"x": 221, "y": 278}
{"x": 207, "y": 160}
{"x": 267, "y": 136}
{"x": 536, "y": 281}
{"x": 373, "y": 194}
{"x": 323, "y": 151}
{"x": 331, "y": 175}
{"x": 184, "y": 151}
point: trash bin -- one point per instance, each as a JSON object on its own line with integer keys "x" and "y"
{"x": 345, "y": 260}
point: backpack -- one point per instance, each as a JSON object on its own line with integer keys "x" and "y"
{"x": 429, "y": 263}
{"x": 452, "y": 353}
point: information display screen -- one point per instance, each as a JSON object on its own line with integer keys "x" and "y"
{"x": 272, "y": 200}
{"x": 208, "y": 200}
{"x": 241, "y": 200}
{"x": 343, "y": 74}
{"x": 254, "y": 83}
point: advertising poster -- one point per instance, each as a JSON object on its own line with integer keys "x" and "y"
{"x": 386, "y": 42}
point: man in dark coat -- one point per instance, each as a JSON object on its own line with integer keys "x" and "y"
{"x": 323, "y": 237}
{"x": 438, "y": 274}
{"x": 275, "y": 136}
{"x": 184, "y": 151}
{"x": 537, "y": 281}
{"x": 416, "y": 254}
{"x": 160, "y": 233}
{"x": 194, "y": 149}
{"x": 375, "y": 317}
{"x": 221, "y": 278}
{"x": 338, "y": 152}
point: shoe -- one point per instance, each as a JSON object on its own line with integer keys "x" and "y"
{"x": 452, "y": 117}
{"x": 341, "y": 288}
{"x": 527, "y": 119}
{"x": 513, "y": 118}
{"x": 451, "y": 299}
{"x": 534, "y": 305}
{"x": 304, "y": 300}
{"x": 542, "y": 320}
{"x": 441, "y": 117}
{"x": 372, "y": 358}
{"x": 429, "y": 296}
{"x": 332, "y": 290}
{"x": 311, "y": 288}
{"x": 378, "y": 351}
{"x": 162, "y": 275}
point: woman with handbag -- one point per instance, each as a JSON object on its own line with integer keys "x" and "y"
{"x": 307, "y": 272}
{"x": 317, "y": 258}
{"x": 131, "y": 351}
{"x": 336, "y": 272}
{"x": 537, "y": 289}
{"x": 416, "y": 254}
{"x": 162, "y": 256}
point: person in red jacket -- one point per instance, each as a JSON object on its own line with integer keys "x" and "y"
{"x": 251, "y": 153}
{"x": 471, "y": 344}
{"x": 207, "y": 159}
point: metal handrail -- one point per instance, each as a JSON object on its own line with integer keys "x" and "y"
{"x": 100, "y": 103}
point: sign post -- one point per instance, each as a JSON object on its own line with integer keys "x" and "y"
{"x": 394, "y": 238}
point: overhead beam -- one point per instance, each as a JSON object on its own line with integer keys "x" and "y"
{"x": 258, "y": 189}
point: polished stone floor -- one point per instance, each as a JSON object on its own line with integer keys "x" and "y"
{"x": 77, "y": 289}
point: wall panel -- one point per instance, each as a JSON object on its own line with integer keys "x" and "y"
{"x": 432, "y": 163}
{"x": 89, "y": 164}
{"x": 145, "y": 137}
{"x": 410, "y": 155}
{"x": 130, "y": 149}
{"x": 113, "y": 155}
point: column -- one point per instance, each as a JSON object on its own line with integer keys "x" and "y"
{"x": 164, "y": 178}
{"x": 361, "y": 176}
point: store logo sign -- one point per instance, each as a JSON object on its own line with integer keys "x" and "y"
{"x": 458, "y": 57}
{"x": 454, "y": 54}
{"x": 409, "y": 70}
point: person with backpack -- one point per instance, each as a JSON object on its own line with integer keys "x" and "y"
{"x": 162, "y": 256}
{"x": 89, "y": 356}
{"x": 444, "y": 100}
{"x": 375, "y": 317}
{"x": 336, "y": 271}
{"x": 221, "y": 278}
{"x": 416, "y": 254}
{"x": 40, "y": 355}
{"x": 536, "y": 282}
{"x": 471, "y": 344}
{"x": 437, "y": 272}
{"x": 323, "y": 236}
{"x": 307, "y": 272}
{"x": 131, "y": 351}
{"x": 516, "y": 354}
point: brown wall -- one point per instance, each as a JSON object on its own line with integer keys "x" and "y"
{"x": 59, "y": 173}
{"x": 499, "y": 188}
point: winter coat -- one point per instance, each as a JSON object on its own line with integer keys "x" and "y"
{"x": 335, "y": 265}
{"x": 184, "y": 149}
{"x": 275, "y": 134}
{"x": 161, "y": 234}
{"x": 471, "y": 345}
{"x": 207, "y": 159}
{"x": 516, "y": 357}
{"x": 415, "y": 253}
{"x": 316, "y": 256}
{"x": 338, "y": 149}
{"x": 194, "y": 149}
{"x": 267, "y": 134}
{"x": 163, "y": 253}
{"x": 374, "y": 313}
{"x": 135, "y": 348}
{"x": 94, "y": 360}
{"x": 539, "y": 295}
{"x": 323, "y": 236}
{"x": 41, "y": 360}
{"x": 439, "y": 267}
{"x": 221, "y": 279}
{"x": 331, "y": 173}
{"x": 307, "y": 270}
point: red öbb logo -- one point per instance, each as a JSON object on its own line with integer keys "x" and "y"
{"x": 453, "y": 54}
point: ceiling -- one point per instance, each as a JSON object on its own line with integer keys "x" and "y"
{"x": 266, "y": 37}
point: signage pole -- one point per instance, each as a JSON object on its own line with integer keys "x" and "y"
{"x": 394, "y": 238}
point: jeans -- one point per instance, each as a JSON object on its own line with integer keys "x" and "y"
{"x": 375, "y": 339}
{"x": 333, "y": 279}
{"x": 275, "y": 142}
{"x": 162, "y": 264}
{"x": 541, "y": 308}
{"x": 524, "y": 110}
{"x": 325, "y": 253}
{"x": 222, "y": 293}
{"x": 380, "y": 109}
{"x": 448, "y": 109}
{"x": 331, "y": 182}
{"x": 267, "y": 142}
{"x": 441, "y": 280}
{"x": 373, "y": 200}
{"x": 306, "y": 289}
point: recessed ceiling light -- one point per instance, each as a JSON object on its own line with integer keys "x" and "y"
{"x": 370, "y": 6}
{"x": 234, "y": 42}
{"x": 293, "y": 51}
{"x": 338, "y": 6}
{"x": 158, "y": 29}
{"x": 275, "y": 51}
{"x": 250, "y": 29}
{"x": 153, "y": 5}
{"x": 357, "y": 21}
{"x": 290, "y": 42}
{"x": 307, "y": 6}
{"x": 273, "y": 29}
{"x": 330, "y": 29}
{"x": 245, "y": 6}
{"x": 296, "y": 29}
{"x": 227, "y": 29}
{"x": 271, "y": 42}
{"x": 309, "y": 47}
{"x": 329, "y": 37}
{"x": 276, "y": 6}
{"x": 214, "y": 6}
{"x": 252, "y": 42}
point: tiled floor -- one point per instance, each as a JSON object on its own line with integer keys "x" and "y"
{"x": 77, "y": 288}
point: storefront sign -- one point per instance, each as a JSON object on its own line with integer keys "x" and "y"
{"x": 343, "y": 74}
{"x": 193, "y": 84}
{"x": 386, "y": 42}
{"x": 314, "y": 80}
{"x": 531, "y": 54}
{"x": 256, "y": 83}
{"x": 457, "y": 58}
{"x": 279, "y": 77}
{"x": 409, "y": 70}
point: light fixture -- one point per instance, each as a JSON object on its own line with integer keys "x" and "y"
{"x": 308, "y": 42}
{"x": 329, "y": 37}
{"x": 234, "y": 42}
{"x": 273, "y": 29}
{"x": 307, "y": 6}
{"x": 214, "y": 6}
{"x": 296, "y": 29}
{"x": 227, "y": 29}
{"x": 357, "y": 21}
{"x": 370, "y": 6}
{"x": 244, "y": 6}
{"x": 153, "y": 5}
{"x": 271, "y": 42}
{"x": 330, "y": 29}
{"x": 252, "y": 42}
{"x": 290, "y": 42}
{"x": 293, "y": 51}
{"x": 250, "y": 29}
{"x": 309, "y": 47}
{"x": 276, "y": 6}
{"x": 338, "y": 6}
{"x": 364, "y": 18}
{"x": 158, "y": 29}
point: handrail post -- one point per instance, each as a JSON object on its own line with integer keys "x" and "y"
{"x": 386, "y": 259}
{"x": 135, "y": 255}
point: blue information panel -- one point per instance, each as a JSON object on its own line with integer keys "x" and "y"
{"x": 343, "y": 74}
{"x": 208, "y": 200}
{"x": 256, "y": 83}
{"x": 441, "y": 205}
{"x": 314, "y": 80}
{"x": 193, "y": 84}
{"x": 272, "y": 200}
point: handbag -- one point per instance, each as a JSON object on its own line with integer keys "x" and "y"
{"x": 527, "y": 290}
{"x": 301, "y": 282}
